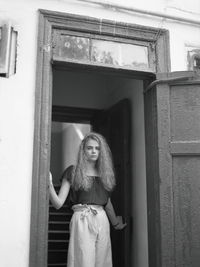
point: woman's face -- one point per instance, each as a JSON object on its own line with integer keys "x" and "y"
{"x": 92, "y": 150}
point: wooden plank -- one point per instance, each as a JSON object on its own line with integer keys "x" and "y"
{"x": 185, "y": 148}
{"x": 102, "y": 69}
{"x": 165, "y": 176}
{"x": 186, "y": 173}
{"x": 152, "y": 176}
{"x": 73, "y": 114}
{"x": 39, "y": 203}
{"x": 185, "y": 112}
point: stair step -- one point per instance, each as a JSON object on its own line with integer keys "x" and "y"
{"x": 58, "y": 235}
{"x": 57, "y": 264}
{"x": 64, "y": 205}
{"x": 57, "y": 250}
{"x": 60, "y": 216}
{"x": 61, "y": 225}
{"x": 63, "y": 208}
{"x": 58, "y": 222}
{"x": 57, "y": 256}
{"x": 56, "y": 244}
{"x": 58, "y": 241}
{"x": 60, "y": 213}
{"x": 59, "y": 231}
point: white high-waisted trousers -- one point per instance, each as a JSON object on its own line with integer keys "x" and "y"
{"x": 89, "y": 244}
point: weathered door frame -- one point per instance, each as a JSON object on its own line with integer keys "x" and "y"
{"x": 48, "y": 21}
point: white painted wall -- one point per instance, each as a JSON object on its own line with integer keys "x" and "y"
{"x": 17, "y": 100}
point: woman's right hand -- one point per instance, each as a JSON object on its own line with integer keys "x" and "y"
{"x": 120, "y": 225}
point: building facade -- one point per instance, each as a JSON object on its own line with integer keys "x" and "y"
{"x": 162, "y": 37}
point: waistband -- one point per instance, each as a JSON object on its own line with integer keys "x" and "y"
{"x": 89, "y": 213}
{"x": 87, "y": 207}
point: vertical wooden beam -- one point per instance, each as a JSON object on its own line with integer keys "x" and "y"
{"x": 152, "y": 176}
{"x": 43, "y": 95}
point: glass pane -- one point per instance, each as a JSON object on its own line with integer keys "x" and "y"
{"x": 74, "y": 48}
{"x": 119, "y": 54}
{"x": 134, "y": 56}
{"x": 105, "y": 52}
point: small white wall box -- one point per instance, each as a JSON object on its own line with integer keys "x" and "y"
{"x": 8, "y": 50}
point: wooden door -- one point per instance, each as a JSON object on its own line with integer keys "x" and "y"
{"x": 115, "y": 125}
{"x": 172, "y": 115}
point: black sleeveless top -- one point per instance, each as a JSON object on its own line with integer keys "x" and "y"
{"x": 95, "y": 195}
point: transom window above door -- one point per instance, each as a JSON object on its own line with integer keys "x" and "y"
{"x": 101, "y": 50}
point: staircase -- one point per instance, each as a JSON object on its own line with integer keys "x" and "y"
{"x": 58, "y": 235}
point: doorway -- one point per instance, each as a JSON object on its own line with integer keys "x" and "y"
{"x": 104, "y": 106}
{"x": 49, "y": 22}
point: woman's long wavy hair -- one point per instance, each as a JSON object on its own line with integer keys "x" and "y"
{"x": 104, "y": 165}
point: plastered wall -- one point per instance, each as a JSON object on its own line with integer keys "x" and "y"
{"x": 17, "y": 100}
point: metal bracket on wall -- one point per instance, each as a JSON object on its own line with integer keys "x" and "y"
{"x": 8, "y": 50}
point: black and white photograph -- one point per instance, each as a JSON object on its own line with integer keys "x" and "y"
{"x": 99, "y": 133}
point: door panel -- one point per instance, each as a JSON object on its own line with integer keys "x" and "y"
{"x": 114, "y": 124}
{"x": 172, "y": 115}
{"x": 186, "y": 210}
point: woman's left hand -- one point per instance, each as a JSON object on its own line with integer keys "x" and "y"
{"x": 120, "y": 225}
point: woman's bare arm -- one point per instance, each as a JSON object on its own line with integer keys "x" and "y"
{"x": 58, "y": 200}
{"x": 115, "y": 220}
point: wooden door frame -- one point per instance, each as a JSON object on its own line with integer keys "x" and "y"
{"x": 48, "y": 21}
{"x": 74, "y": 114}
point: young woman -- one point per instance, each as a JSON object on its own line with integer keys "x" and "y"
{"x": 89, "y": 185}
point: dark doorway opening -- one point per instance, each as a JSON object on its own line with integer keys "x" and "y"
{"x": 103, "y": 103}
